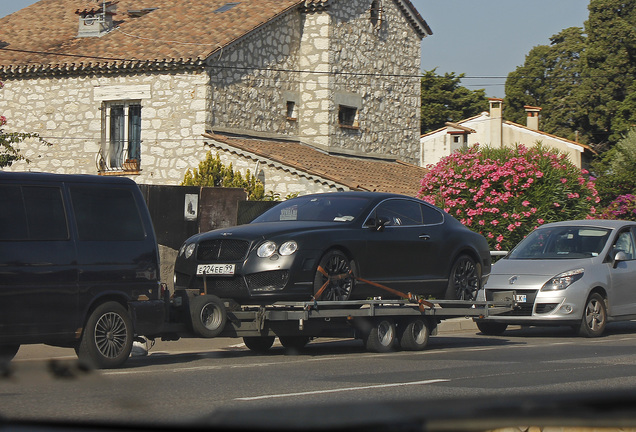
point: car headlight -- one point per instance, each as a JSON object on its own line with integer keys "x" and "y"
{"x": 189, "y": 250}
{"x": 563, "y": 280}
{"x": 288, "y": 248}
{"x": 266, "y": 250}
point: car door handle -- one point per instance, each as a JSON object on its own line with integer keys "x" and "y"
{"x": 425, "y": 236}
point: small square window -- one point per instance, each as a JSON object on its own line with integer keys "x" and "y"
{"x": 291, "y": 110}
{"x": 226, "y": 7}
{"x": 347, "y": 116}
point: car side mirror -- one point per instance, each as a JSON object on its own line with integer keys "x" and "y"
{"x": 619, "y": 256}
{"x": 381, "y": 222}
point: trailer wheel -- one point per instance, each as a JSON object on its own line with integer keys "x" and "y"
{"x": 208, "y": 315}
{"x": 259, "y": 344}
{"x": 414, "y": 335}
{"x": 7, "y": 352}
{"x": 294, "y": 342}
{"x": 107, "y": 337}
{"x": 382, "y": 336}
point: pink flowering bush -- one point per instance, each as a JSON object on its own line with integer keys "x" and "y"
{"x": 505, "y": 193}
{"x": 623, "y": 207}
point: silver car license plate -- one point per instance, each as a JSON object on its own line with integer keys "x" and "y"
{"x": 215, "y": 269}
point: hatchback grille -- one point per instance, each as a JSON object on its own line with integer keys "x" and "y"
{"x": 222, "y": 250}
{"x": 522, "y": 309}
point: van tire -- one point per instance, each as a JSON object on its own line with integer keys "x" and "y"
{"x": 208, "y": 315}
{"x": 107, "y": 337}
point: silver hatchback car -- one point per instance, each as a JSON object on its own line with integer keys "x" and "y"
{"x": 575, "y": 273}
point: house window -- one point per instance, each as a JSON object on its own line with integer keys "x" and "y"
{"x": 291, "y": 110}
{"x": 121, "y": 149}
{"x": 347, "y": 116}
{"x": 376, "y": 13}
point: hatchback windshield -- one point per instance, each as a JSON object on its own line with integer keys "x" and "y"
{"x": 563, "y": 242}
{"x": 324, "y": 209}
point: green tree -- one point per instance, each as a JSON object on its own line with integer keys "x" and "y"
{"x": 444, "y": 99}
{"x": 615, "y": 170}
{"x": 549, "y": 79}
{"x": 609, "y": 69}
{"x": 584, "y": 80}
{"x": 212, "y": 172}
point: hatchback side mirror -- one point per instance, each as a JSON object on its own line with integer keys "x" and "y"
{"x": 619, "y": 256}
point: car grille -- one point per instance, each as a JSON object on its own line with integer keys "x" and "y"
{"x": 267, "y": 281}
{"x": 522, "y": 309}
{"x": 222, "y": 250}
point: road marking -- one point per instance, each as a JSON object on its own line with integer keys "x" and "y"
{"x": 346, "y": 389}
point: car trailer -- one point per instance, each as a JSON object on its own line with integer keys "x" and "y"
{"x": 383, "y": 325}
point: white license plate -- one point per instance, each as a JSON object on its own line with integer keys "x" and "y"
{"x": 520, "y": 298}
{"x": 215, "y": 269}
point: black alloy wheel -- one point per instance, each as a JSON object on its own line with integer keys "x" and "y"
{"x": 335, "y": 269}
{"x": 464, "y": 279}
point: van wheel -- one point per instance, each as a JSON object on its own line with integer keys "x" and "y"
{"x": 414, "y": 335}
{"x": 259, "y": 344}
{"x": 208, "y": 315}
{"x": 7, "y": 352}
{"x": 107, "y": 337}
{"x": 594, "y": 317}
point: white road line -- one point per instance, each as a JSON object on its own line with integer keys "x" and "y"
{"x": 346, "y": 389}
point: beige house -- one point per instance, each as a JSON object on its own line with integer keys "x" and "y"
{"x": 490, "y": 129}
{"x": 143, "y": 88}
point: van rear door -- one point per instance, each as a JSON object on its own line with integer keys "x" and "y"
{"x": 38, "y": 273}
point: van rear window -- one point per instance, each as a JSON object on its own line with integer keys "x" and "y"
{"x": 32, "y": 213}
{"x": 106, "y": 214}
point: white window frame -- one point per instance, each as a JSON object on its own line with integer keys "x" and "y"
{"x": 119, "y": 160}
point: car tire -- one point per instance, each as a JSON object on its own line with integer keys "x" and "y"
{"x": 107, "y": 337}
{"x": 259, "y": 344}
{"x": 381, "y": 337}
{"x": 413, "y": 335}
{"x": 208, "y": 315}
{"x": 594, "y": 316}
{"x": 335, "y": 262}
{"x": 491, "y": 328}
{"x": 294, "y": 342}
{"x": 8, "y": 352}
{"x": 464, "y": 279}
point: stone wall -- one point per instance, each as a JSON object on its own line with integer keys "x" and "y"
{"x": 66, "y": 112}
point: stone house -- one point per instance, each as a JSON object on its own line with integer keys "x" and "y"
{"x": 489, "y": 128}
{"x": 144, "y": 88}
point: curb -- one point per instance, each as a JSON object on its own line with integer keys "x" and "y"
{"x": 453, "y": 325}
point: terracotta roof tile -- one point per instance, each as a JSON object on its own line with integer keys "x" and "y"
{"x": 183, "y": 29}
{"x": 356, "y": 174}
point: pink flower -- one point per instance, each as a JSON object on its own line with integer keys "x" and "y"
{"x": 525, "y": 203}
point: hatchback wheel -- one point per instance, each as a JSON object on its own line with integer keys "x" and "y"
{"x": 594, "y": 317}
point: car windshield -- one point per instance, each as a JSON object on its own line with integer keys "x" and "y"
{"x": 562, "y": 242}
{"x": 327, "y": 208}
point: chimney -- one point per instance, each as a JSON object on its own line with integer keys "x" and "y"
{"x": 496, "y": 122}
{"x": 533, "y": 117}
{"x": 96, "y": 21}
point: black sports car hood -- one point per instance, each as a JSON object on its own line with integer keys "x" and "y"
{"x": 267, "y": 229}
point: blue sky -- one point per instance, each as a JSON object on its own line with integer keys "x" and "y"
{"x": 487, "y": 38}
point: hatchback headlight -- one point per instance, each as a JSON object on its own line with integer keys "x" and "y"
{"x": 266, "y": 250}
{"x": 563, "y": 280}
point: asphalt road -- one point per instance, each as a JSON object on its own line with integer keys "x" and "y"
{"x": 330, "y": 381}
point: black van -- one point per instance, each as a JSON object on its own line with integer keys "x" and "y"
{"x": 79, "y": 265}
